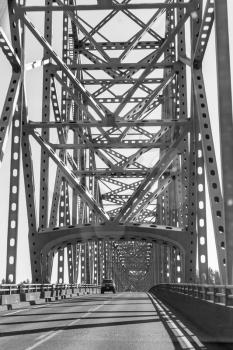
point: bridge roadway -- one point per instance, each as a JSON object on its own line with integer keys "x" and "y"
{"x": 92, "y": 322}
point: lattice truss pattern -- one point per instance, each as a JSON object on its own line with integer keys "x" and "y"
{"x": 120, "y": 121}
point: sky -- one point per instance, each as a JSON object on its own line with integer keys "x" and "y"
{"x": 33, "y": 89}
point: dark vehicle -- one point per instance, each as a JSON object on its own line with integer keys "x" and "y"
{"x": 108, "y": 286}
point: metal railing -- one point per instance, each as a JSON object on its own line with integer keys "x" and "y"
{"x": 32, "y": 288}
{"x": 217, "y": 294}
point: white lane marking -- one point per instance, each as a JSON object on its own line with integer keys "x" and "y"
{"x": 46, "y": 334}
{"x": 190, "y": 334}
{"x": 69, "y": 324}
{"x": 53, "y": 333}
{"x": 28, "y": 309}
{"x": 15, "y": 312}
{"x": 181, "y": 338}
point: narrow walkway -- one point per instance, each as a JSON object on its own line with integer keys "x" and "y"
{"x": 122, "y": 321}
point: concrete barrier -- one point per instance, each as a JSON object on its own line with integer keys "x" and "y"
{"x": 7, "y": 299}
{"x": 216, "y": 320}
{"x": 75, "y": 291}
{"x": 3, "y": 308}
{"x": 32, "y": 296}
{"x": 45, "y": 294}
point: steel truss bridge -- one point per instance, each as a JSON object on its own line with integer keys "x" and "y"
{"x": 107, "y": 101}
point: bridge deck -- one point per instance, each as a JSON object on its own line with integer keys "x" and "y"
{"x": 120, "y": 321}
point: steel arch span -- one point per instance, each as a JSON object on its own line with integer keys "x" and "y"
{"x": 111, "y": 96}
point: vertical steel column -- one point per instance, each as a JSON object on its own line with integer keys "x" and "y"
{"x": 96, "y": 281}
{"x": 76, "y": 258}
{"x": 225, "y": 124}
{"x": 83, "y": 263}
{"x": 60, "y": 272}
{"x": 173, "y": 264}
{"x": 159, "y": 265}
{"x": 70, "y": 263}
{"x": 99, "y": 275}
{"x": 16, "y": 39}
{"x": 62, "y": 218}
{"x": 9, "y": 110}
{"x": 104, "y": 259}
{"x": 70, "y": 257}
{"x": 179, "y": 272}
{"x": 169, "y": 265}
{"x": 12, "y": 236}
{"x": 181, "y": 113}
{"x": 91, "y": 260}
{"x": 201, "y": 212}
{"x": 87, "y": 263}
{"x": 164, "y": 264}
{"x": 187, "y": 157}
{"x": 211, "y": 170}
{"x": 44, "y": 175}
{"x": 154, "y": 261}
{"x": 65, "y": 42}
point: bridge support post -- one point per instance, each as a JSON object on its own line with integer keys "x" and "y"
{"x": 155, "y": 261}
{"x": 225, "y": 125}
{"x": 12, "y": 237}
{"x": 60, "y": 266}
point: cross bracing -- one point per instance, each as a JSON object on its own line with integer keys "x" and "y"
{"x": 123, "y": 130}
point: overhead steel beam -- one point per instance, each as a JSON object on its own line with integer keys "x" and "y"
{"x": 106, "y": 123}
{"x": 8, "y": 111}
{"x": 64, "y": 67}
{"x": 104, "y": 145}
{"x": 71, "y": 178}
{"x": 225, "y": 124}
{"x": 109, "y": 6}
{"x": 150, "y": 198}
{"x": 78, "y": 24}
{"x": 204, "y": 34}
{"x": 212, "y": 175}
{"x": 142, "y": 32}
{"x": 154, "y": 59}
{"x": 154, "y": 174}
{"x": 9, "y": 52}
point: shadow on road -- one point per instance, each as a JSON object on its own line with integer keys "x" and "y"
{"x": 79, "y": 326}
{"x": 71, "y": 319}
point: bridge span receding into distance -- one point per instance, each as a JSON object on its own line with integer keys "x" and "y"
{"x": 116, "y": 154}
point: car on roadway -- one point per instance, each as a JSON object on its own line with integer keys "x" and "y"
{"x": 108, "y": 285}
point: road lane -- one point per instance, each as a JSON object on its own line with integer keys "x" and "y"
{"x": 111, "y": 321}
{"x": 22, "y": 328}
{"x": 127, "y": 322}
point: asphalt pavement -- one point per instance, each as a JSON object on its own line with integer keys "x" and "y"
{"x": 121, "y": 321}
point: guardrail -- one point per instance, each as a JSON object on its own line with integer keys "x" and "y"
{"x": 8, "y": 289}
{"x": 208, "y": 307}
{"x": 217, "y": 294}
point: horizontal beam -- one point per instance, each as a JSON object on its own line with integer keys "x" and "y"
{"x": 58, "y": 236}
{"x": 9, "y": 52}
{"x": 104, "y": 145}
{"x": 120, "y": 80}
{"x": 137, "y": 173}
{"x": 71, "y": 178}
{"x": 114, "y": 64}
{"x": 9, "y": 110}
{"x": 120, "y": 45}
{"x": 106, "y": 123}
{"x": 64, "y": 68}
{"x": 151, "y": 197}
{"x": 109, "y": 6}
{"x": 158, "y": 169}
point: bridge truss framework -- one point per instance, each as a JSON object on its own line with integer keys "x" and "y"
{"x": 124, "y": 133}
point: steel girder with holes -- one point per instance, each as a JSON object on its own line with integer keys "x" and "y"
{"x": 120, "y": 151}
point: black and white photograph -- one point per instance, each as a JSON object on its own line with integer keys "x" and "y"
{"x": 116, "y": 175}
